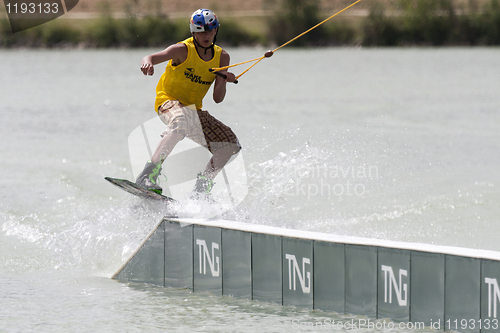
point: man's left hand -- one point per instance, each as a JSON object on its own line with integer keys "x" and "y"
{"x": 230, "y": 77}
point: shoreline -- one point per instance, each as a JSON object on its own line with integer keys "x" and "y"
{"x": 380, "y": 26}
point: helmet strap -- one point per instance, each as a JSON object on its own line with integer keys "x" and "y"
{"x": 206, "y": 48}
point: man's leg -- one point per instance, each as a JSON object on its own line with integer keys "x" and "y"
{"x": 204, "y": 182}
{"x": 165, "y": 147}
{"x": 218, "y": 161}
{"x": 221, "y": 141}
{"x": 172, "y": 114}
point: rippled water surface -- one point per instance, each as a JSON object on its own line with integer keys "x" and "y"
{"x": 398, "y": 144}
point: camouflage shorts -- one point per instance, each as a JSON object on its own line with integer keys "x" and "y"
{"x": 198, "y": 125}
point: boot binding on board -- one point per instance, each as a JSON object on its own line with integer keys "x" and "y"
{"x": 202, "y": 189}
{"x": 148, "y": 178}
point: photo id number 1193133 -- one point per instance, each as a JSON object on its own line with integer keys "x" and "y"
{"x": 471, "y": 324}
{"x": 32, "y": 7}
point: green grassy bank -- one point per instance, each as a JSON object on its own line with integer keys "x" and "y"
{"x": 400, "y": 23}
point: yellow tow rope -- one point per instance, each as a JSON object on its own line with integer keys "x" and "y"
{"x": 268, "y": 54}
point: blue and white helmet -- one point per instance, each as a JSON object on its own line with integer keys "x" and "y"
{"x": 203, "y": 20}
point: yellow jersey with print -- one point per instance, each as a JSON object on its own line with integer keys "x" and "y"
{"x": 189, "y": 81}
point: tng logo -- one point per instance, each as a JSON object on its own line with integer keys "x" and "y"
{"x": 207, "y": 257}
{"x": 390, "y": 283}
{"x": 493, "y": 296}
{"x": 295, "y": 271}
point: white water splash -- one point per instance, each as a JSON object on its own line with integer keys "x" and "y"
{"x": 85, "y": 236}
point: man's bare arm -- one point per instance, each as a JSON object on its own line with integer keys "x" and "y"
{"x": 220, "y": 83}
{"x": 177, "y": 53}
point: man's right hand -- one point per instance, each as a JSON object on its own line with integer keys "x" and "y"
{"x": 147, "y": 68}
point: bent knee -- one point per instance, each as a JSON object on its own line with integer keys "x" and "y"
{"x": 237, "y": 148}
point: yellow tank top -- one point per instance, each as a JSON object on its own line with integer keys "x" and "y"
{"x": 189, "y": 81}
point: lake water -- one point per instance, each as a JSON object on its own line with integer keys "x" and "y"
{"x": 397, "y": 144}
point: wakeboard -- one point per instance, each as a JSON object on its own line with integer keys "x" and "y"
{"x": 141, "y": 192}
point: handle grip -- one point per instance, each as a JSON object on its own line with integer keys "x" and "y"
{"x": 222, "y": 75}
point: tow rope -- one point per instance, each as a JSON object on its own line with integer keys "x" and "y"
{"x": 270, "y": 53}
